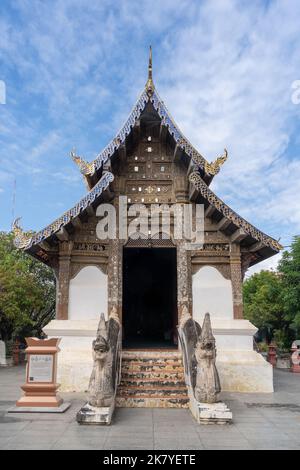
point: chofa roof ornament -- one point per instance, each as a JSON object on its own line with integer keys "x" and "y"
{"x": 86, "y": 168}
{"x": 22, "y": 239}
{"x": 214, "y": 167}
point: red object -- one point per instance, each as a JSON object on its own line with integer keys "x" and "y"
{"x": 272, "y": 356}
{"x": 16, "y": 352}
{"x": 295, "y": 357}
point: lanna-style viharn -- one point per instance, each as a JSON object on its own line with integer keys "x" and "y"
{"x": 151, "y": 282}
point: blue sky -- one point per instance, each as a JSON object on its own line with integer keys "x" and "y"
{"x": 225, "y": 69}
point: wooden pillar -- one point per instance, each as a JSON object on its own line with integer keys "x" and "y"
{"x": 236, "y": 280}
{"x": 62, "y": 295}
{"x": 115, "y": 277}
{"x": 184, "y": 281}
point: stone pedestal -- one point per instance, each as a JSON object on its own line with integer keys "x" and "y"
{"x": 214, "y": 413}
{"x": 209, "y": 413}
{"x": 41, "y": 385}
{"x": 94, "y": 415}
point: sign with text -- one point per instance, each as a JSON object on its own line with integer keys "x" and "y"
{"x": 40, "y": 368}
{"x": 41, "y": 373}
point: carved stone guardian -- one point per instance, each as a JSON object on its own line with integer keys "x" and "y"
{"x": 100, "y": 391}
{"x": 201, "y": 375}
{"x": 105, "y": 374}
{"x": 207, "y": 383}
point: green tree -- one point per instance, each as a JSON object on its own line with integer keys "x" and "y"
{"x": 27, "y": 292}
{"x": 272, "y": 299}
{"x": 263, "y": 304}
{"x": 289, "y": 267}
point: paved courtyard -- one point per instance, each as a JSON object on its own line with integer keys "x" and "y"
{"x": 261, "y": 421}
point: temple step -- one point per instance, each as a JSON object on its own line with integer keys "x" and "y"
{"x": 152, "y": 379}
{"x": 153, "y": 382}
{"x": 165, "y": 374}
{"x": 154, "y": 391}
{"x": 150, "y": 402}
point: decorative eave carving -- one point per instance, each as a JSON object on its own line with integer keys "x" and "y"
{"x": 150, "y": 94}
{"x": 25, "y": 242}
{"x": 197, "y": 159}
{"x": 86, "y": 168}
{"x": 214, "y": 167}
{"x": 216, "y": 202}
{"x": 22, "y": 239}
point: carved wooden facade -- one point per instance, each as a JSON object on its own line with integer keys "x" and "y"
{"x": 150, "y": 162}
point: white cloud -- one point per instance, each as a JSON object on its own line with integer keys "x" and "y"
{"x": 224, "y": 68}
{"x": 268, "y": 264}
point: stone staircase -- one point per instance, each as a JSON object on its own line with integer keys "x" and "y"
{"x": 152, "y": 379}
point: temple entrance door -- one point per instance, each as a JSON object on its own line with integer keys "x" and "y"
{"x": 149, "y": 298}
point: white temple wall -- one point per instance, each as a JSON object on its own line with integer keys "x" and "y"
{"x": 212, "y": 293}
{"x": 88, "y": 294}
{"x": 241, "y": 369}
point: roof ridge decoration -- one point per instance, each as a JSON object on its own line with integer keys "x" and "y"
{"x": 149, "y": 84}
{"x": 149, "y": 94}
{"x": 214, "y": 167}
{"x": 215, "y": 201}
{"x": 21, "y": 239}
{"x": 24, "y": 241}
{"x": 86, "y": 168}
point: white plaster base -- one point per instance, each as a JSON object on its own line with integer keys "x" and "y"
{"x": 209, "y": 413}
{"x": 242, "y": 371}
{"x": 240, "y": 368}
{"x": 75, "y": 360}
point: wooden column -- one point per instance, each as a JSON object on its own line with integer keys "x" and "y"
{"x": 62, "y": 299}
{"x": 184, "y": 297}
{"x": 115, "y": 277}
{"x": 236, "y": 280}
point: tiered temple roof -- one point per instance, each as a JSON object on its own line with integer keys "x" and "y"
{"x": 98, "y": 177}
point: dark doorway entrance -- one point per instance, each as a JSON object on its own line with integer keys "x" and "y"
{"x": 149, "y": 297}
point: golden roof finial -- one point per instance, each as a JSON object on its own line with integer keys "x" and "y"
{"x": 150, "y": 84}
{"x": 85, "y": 167}
{"x": 214, "y": 167}
{"x": 22, "y": 239}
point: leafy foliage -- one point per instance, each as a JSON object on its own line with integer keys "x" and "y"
{"x": 272, "y": 299}
{"x": 289, "y": 267}
{"x": 27, "y": 292}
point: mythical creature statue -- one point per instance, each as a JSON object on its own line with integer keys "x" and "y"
{"x": 214, "y": 167}
{"x": 207, "y": 386}
{"x": 22, "y": 239}
{"x": 101, "y": 392}
{"x": 86, "y": 168}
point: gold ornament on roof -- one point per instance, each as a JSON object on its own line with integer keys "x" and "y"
{"x": 214, "y": 167}
{"x": 86, "y": 168}
{"x": 149, "y": 84}
{"x": 150, "y": 189}
{"x": 22, "y": 239}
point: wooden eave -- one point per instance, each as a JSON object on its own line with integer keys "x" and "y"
{"x": 238, "y": 230}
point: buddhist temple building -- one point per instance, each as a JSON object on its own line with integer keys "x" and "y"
{"x": 151, "y": 283}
